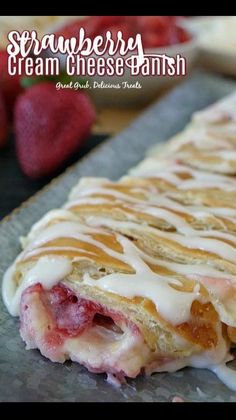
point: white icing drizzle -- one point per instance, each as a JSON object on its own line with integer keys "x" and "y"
{"x": 173, "y": 305}
{"x": 72, "y": 229}
{"x": 170, "y": 216}
{"x": 86, "y": 182}
{"x": 221, "y": 287}
{"x": 216, "y": 211}
{"x": 47, "y": 270}
{"x": 51, "y": 249}
{"x": 149, "y": 204}
{"x": 151, "y": 208}
{"x": 203, "y": 140}
{"x": 64, "y": 229}
{"x": 52, "y": 215}
{"x": 206, "y": 141}
{"x": 216, "y": 246}
{"x": 229, "y": 155}
{"x": 76, "y": 230}
{"x": 168, "y": 171}
{"x": 200, "y": 184}
{"x": 85, "y": 192}
{"x": 166, "y": 212}
{"x": 88, "y": 200}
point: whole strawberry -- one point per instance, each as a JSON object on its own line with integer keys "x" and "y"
{"x": 3, "y": 122}
{"x": 9, "y": 85}
{"x": 50, "y": 126}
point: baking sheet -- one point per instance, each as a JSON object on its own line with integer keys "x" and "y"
{"x": 26, "y": 375}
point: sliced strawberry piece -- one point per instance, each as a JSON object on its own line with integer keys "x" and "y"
{"x": 91, "y": 26}
{"x": 154, "y": 40}
{"x": 72, "y": 314}
{"x": 155, "y": 30}
{"x": 107, "y": 21}
{"x": 156, "y": 24}
{"x": 123, "y": 27}
{"x": 183, "y": 35}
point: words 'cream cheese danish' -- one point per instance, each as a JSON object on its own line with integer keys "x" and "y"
{"x": 139, "y": 275}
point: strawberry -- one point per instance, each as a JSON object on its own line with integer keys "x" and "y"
{"x": 154, "y": 40}
{"x": 123, "y": 27}
{"x": 50, "y": 125}
{"x": 9, "y": 85}
{"x": 183, "y": 35}
{"x": 156, "y": 24}
{"x": 156, "y": 31}
{"x": 93, "y": 25}
{"x": 3, "y": 122}
{"x": 106, "y": 21}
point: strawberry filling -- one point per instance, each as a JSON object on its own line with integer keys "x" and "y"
{"x": 63, "y": 325}
{"x": 74, "y": 314}
{"x": 71, "y": 314}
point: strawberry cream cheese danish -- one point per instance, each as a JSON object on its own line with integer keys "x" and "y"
{"x": 139, "y": 276}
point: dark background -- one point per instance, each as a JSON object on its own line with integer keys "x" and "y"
{"x": 15, "y": 187}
